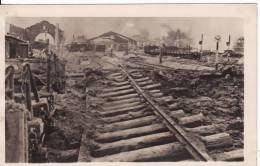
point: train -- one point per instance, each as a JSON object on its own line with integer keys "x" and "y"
{"x": 175, "y": 51}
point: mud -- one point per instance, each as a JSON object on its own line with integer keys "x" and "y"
{"x": 218, "y": 97}
{"x": 75, "y": 110}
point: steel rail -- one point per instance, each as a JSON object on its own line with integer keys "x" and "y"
{"x": 199, "y": 153}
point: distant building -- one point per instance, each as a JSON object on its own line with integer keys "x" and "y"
{"x": 15, "y": 47}
{"x": 79, "y": 43}
{"x": 41, "y": 32}
{"x": 112, "y": 40}
{"x": 239, "y": 45}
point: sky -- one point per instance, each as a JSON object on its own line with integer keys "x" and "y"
{"x": 129, "y": 26}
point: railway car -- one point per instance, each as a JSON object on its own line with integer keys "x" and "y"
{"x": 172, "y": 51}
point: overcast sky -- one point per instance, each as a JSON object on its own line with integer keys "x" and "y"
{"x": 194, "y": 27}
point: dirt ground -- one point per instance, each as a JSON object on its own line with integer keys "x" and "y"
{"x": 219, "y": 98}
{"x": 73, "y": 110}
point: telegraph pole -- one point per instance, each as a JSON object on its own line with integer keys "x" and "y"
{"x": 229, "y": 42}
{"x": 217, "y": 38}
{"x": 228, "y": 48}
{"x": 201, "y": 43}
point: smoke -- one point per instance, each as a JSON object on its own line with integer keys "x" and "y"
{"x": 174, "y": 37}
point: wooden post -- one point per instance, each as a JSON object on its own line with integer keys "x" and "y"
{"x": 48, "y": 73}
{"x": 28, "y": 96}
{"x": 161, "y": 53}
{"x": 32, "y": 84}
{"x": 16, "y": 148}
{"x": 12, "y": 85}
{"x": 9, "y": 81}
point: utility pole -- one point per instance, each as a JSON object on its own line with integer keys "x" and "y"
{"x": 228, "y": 42}
{"x": 201, "y": 43}
{"x": 228, "y": 48}
{"x": 162, "y": 48}
{"x": 217, "y": 38}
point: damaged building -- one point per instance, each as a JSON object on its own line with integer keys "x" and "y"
{"x": 112, "y": 40}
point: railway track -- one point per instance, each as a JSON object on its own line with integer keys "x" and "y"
{"x": 142, "y": 124}
{"x": 162, "y": 67}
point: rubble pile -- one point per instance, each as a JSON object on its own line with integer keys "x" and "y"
{"x": 216, "y": 95}
{"x": 11, "y": 106}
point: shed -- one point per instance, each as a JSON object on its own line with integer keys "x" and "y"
{"x": 113, "y": 40}
{"x": 15, "y": 47}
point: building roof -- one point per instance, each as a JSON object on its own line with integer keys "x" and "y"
{"x": 10, "y": 36}
{"x": 117, "y": 37}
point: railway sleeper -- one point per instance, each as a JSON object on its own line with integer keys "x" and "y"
{"x": 128, "y": 96}
{"x": 140, "y": 131}
{"x": 177, "y": 114}
{"x": 142, "y": 79}
{"x": 118, "y": 84}
{"x": 138, "y": 122}
{"x": 115, "y": 74}
{"x": 234, "y": 155}
{"x": 136, "y": 75}
{"x": 117, "y": 88}
{"x": 165, "y": 100}
{"x": 153, "y": 86}
{"x": 122, "y": 110}
{"x": 137, "y": 114}
{"x": 118, "y": 93}
{"x": 219, "y": 140}
{"x": 206, "y": 130}
{"x": 145, "y": 83}
{"x": 192, "y": 121}
{"x": 130, "y": 133}
{"x": 133, "y": 144}
{"x": 174, "y": 151}
{"x": 128, "y": 116}
{"x": 123, "y": 101}
{"x": 141, "y": 82}
{"x": 118, "y": 77}
{"x": 174, "y": 106}
{"x": 155, "y": 94}
{"x": 120, "y": 106}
